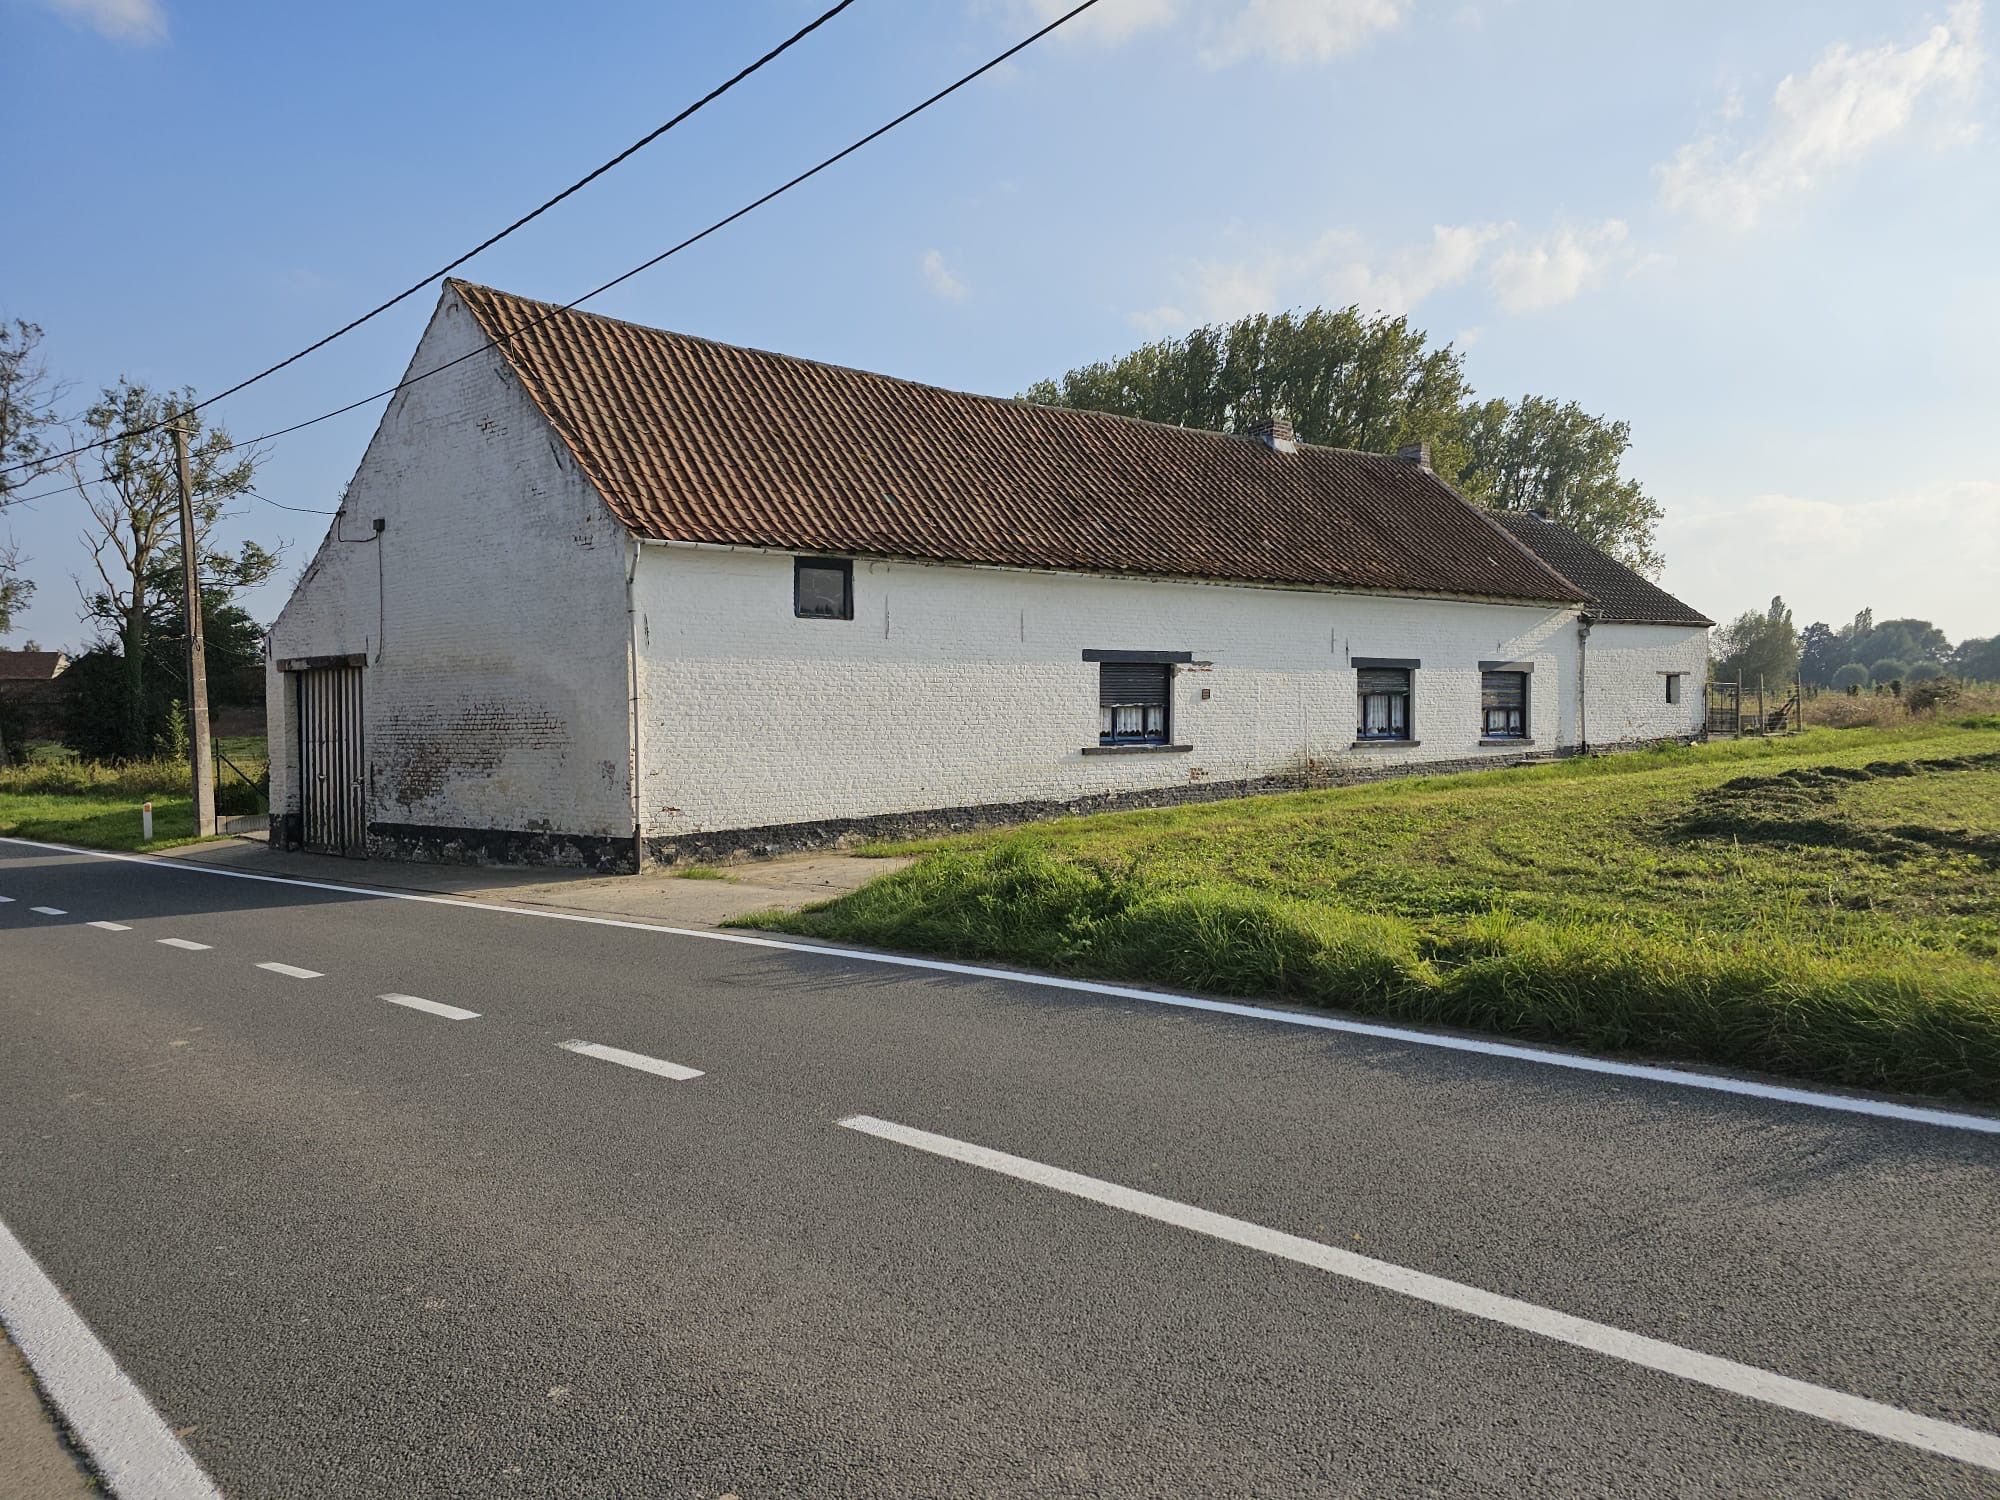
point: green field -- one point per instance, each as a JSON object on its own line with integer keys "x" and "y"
{"x": 67, "y": 801}
{"x": 1826, "y": 907}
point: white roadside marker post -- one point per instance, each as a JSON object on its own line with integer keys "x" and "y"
{"x": 145, "y": 822}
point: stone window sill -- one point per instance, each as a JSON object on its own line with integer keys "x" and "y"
{"x": 1137, "y": 749}
{"x": 1508, "y": 740}
{"x": 1399, "y": 744}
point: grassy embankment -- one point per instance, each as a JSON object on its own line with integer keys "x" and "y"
{"x": 68, "y": 801}
{"x": 1826, "y": 907}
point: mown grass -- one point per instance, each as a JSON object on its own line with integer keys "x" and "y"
{"x": 70, "y": 801}
{"x": 1826, "y": 907}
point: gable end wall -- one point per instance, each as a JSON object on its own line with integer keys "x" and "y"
{"x": 491, "y": 613}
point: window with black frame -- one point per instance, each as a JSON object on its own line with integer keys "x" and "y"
{"x": 823, "y": 588}
{"x": 1385, "y": 703}
{"x": 1503, "y": 705}
{"x": 1133, "y": 701}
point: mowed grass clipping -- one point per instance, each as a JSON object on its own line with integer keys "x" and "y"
{"x": 1825, "y": 907}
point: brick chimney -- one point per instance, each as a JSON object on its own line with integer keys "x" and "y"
{"x": 1275, "y": 434}
{"x": 1415, "y": 453}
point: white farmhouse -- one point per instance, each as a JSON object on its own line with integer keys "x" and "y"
{"x": 601, "y": 594}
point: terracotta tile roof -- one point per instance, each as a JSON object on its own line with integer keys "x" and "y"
{"x": 1622, "y": 596}
{"x": 695, "y": 441}
{"x": 31, "y": 666}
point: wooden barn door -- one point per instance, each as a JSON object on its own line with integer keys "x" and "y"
{"x": 333, "y": 776}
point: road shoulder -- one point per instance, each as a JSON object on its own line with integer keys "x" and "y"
{"x": 35, "y": 1462}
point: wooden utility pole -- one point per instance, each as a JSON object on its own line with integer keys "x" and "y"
{"x": 200, "y": 756}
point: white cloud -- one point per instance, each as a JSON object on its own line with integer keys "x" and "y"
{"x": 1293, "y": 31}
{"x": 938, "y": 277}
{"x": 1107, "y": 23}
{"x": 1335, "y": 269}
{"x": 1852, "y": 101}
{"x": 1557, "y": 268}
{"x": 1287, "y": 31}
{"x": 142, "y": 21}
{"x": 1932, "y": 554}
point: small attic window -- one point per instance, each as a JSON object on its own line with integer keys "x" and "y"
{"x": 823, "y": 588}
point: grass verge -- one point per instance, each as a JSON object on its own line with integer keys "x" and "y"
{"x": 1826, "y": 908}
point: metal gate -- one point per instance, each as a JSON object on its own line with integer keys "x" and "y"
{"x": 1725, "y": 709}
{"x": 333, "y": 776}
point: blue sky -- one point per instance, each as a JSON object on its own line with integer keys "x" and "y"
{"x": 1768, "y": 236}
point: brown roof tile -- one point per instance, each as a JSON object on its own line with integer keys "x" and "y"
{"x": 31, "y": 666}
{"x": 1622, "y": 596}
{"x": 695, "y": 441}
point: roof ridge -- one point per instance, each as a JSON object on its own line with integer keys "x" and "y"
{"x": 1084, "y": 412}
{"x": 691, "y": 439}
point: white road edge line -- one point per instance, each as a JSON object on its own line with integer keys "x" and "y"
{"x": 188, "y": 943}
{"x": 291, "y": 972}
{"x": 49, "y": 911}
{"x": 1966, "y": 1444}
{"x": 432, "y": 1007}
{"x": 1880, "y": 1109}
{"x": 659, "y": 1067}
{"x": 108, "y": 926}
{"x": 136, "y": 1453}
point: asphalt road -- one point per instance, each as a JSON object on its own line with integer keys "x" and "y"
{"x": 350, "y": 1247}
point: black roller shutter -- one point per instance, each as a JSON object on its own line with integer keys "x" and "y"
{"x": 1127, "y": 684}
{"x": 1383, "y": 680}
{"x": 1503, "y": 690}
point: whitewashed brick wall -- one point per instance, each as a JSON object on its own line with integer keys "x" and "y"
{"x": 496, "y": 694}
{"x": 1628, "y": 682}
{"x": 958, "y": 687}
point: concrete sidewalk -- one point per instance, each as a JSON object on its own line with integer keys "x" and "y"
{"x": 655, "y": 896}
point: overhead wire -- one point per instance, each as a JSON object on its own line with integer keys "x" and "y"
{"x": 486, "y": 244}
{"x": 693, "y": 239}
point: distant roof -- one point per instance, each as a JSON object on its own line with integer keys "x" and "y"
{"x": 31, "y": 666}
{"x": 695, "y": 441}
{"x": 1622, "y": 596}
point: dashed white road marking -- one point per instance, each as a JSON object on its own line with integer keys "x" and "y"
{"x": 1717, "y": 1083}
{"x": 109, "y": 926}
{"x": 654, "y": 1065}
{"x": 291, "y": 971}
{"x": 136, "y": 1453}
{"x": 187, "y": 943}
{"x": 432, "y": 1007}
{"x": 1892, "y": 1422}
{"x": 49, "y": 911}
{"x": 6, "y": 900}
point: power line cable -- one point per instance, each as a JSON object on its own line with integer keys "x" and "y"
{"x": 693, "y": 239}
{"x": 486, "y": 244}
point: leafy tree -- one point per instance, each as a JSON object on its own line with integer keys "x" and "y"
{"x": 1821, "y": 653}
{"x": 15, "y": 590}
{"x": 28, "y": 401}
{"x": 1907, "y": 641}
{"x": 1350, "y": 380}
{"x": 1888, "y": 671}
{"x": 1978, "y": 660}
{"x": 1758, "y": 647}
{"x": 133, "y": 537}
{"x": 1850, "y": 678}
{"x": 1923, "y": 671}
{"x": 1540, "y": 454}
{"x": 1341, "y": 378}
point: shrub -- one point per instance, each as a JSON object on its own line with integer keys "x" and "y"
{"x": 1932, "y": 693}
{"x": 1923, "y": 671}
{"x": 1888, "y": 672}
{"x": 1851, "y": 678}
